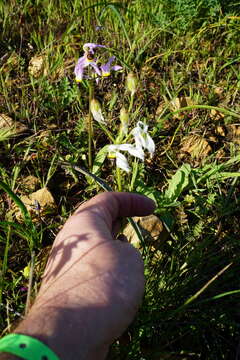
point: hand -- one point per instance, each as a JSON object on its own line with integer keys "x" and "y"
{"x": 93, "y": 284}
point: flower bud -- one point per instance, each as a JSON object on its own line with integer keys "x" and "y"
{"x": 96, "y": 111}
{"x": 131, "y": 83}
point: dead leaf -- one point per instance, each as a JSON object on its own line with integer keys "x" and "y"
{"x": 37, "y": 66}
{"x": 218, "y": 90}
{"x": 180, "y": 102}
{"x": 233, "y": 133}
{"x": 7, "y": 123}
{"x": 147, "y": 72}
{"x": 196, "y": 146}
{"x": 216, "y": 115}
{"x": 152, "y": 228}
{"x": 160, "y": 109}
{"x": 220, "y": 131}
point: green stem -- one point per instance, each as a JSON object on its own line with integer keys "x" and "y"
{"x": 134, "y": 174}
{"x": 89, "y": 120}
{"x": 119, "y": 179}
{"x": 131, "y": 103}
{"x": 4, "y": 263}
{"x": 30, "y": 283}
{"x": 107, "y": 132}
{"x": 90, "y": 126}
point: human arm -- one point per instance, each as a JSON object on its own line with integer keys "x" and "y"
{"x": 92, "y": 285}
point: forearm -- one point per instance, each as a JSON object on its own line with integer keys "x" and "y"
{"x": 69, "y": 337}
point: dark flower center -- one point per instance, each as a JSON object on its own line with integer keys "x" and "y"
{"x": 90, "y": 56}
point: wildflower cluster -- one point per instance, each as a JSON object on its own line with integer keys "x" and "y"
{"x": 143, "y": 141}
{"x": 140, "y": 140}
{"x": 89, "y": 59}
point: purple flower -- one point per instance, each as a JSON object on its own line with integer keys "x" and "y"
{"x": 88, "y": 60}
{"x": 107, "y": 68}
{"x": 83, "y": 62}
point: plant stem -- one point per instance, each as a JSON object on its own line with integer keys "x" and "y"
{"x": 89, "y": 121}
{"x": 4, "y": 263}
{"x": 107, "y": 132}
{"x": 134, "y": 174}
{"x": 30, "y": 283}
{"x": 131, "y": 103}
{"x": 119, "y": 179}
{"x": 90, "y": 127}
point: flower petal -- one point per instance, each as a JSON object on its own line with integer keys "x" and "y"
{"x": 143, "y": 127}
{"x": 96, "y": 68}
{"x": 106, "y": 68}
{"x": 138, "y": 138}
{"x": 79, "y": 68}
{"x": 90, "y": 46}
{"x": 137, "y": 152}
{"x": 121, "y": 162}
{"x": 142, "y": 138}
{"x": 150, "y": 145}
{"x": 116, "y": 67}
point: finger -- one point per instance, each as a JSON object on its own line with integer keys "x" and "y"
{"x": 112, "y": 205}
{"x": 96, "y": 220}
{"x": 118, "y": 225}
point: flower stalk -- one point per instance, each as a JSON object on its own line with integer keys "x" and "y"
{"x": 119, "y": 179}
{"x": 90, "y": 127}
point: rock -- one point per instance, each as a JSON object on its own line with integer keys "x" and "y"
{"x": 37, "y": 203}
{"x": 152, "y": 228}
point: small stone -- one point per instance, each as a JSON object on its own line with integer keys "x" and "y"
{"x": 37, "y": 203}
{"x": 152, "y": 229}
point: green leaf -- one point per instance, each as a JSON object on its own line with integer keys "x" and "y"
{"x": 178, "y": 183}
{"x": 148, "y": 191}
{"x": 33, "y": 239}
{"x": 99, "y": 160}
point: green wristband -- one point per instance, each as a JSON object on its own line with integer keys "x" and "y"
{"x": 26, "y": 347}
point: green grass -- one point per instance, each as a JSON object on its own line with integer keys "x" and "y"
{"x": 186, "y": 57}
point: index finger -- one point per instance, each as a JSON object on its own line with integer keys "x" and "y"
{"x": 112, "y": 205}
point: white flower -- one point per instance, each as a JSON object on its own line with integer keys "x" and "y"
{"x": 121, "y": 160}
{"x": 142, "y": 139}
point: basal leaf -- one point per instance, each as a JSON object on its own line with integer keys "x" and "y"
{"x": 178, "y": 183}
